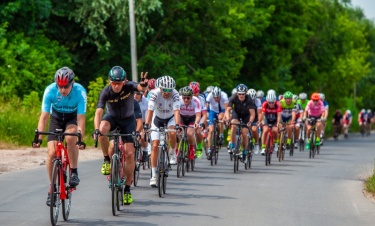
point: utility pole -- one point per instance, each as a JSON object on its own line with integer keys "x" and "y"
{"x": 354, "y": 93}
{"x": 133, "y": 42}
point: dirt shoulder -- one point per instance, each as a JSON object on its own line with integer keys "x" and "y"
{"x": 21, "y": 158}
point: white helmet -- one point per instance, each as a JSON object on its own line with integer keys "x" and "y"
{"x": 234, "y": 91}
{"x": 322, "y": 96}
{"x": 271, "y": 91}
{"x": 303, "y": 96}
{"x": 166, "y": 82}
{"x": 260, "y": 94}
{"x": 252, "y": 93}
{"x": 363, "y": 110}
{"x": 369, "y": 111}
{"x": 271, "y": 97}
{"x": 209, "y": 89}
{"x": 348, "y": 112}
{"x": 295, "y": 97}
{"x": 216, "y": 91}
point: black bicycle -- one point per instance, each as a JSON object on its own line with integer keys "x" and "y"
{"x": 314, "y": 149}
{"x": 185, "y": 159}
{"x": 237, "y": 153}
{"x": 215, "y": 145}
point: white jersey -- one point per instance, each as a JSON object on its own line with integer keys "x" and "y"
{"x": 163, "y": 108}
{"x": 202, "y": 101}
{"x": 258, "y": 103}
{"x": 143, "y": 104}
{"x": 217, "y": 106}
{"x": 191, "y": 109}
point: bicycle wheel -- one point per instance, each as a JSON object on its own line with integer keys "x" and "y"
{"x": 137, "y": 166}
{"x": 217, "y": 148}
{"x": 268, "y": 149}
{"x": 67, "y": 202}
{"x": 114, "y": 184}
{"x": 281, "y": 146}
{"x": 55, "y": 192}
{"x": 165, "y": 177}
{"x": 161, "y": 171}
{"x": 291, "y": 145}
{"x": 312, "y": 145}
{"x": 180, "y": 161}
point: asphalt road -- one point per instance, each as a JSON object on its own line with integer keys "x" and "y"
{"x": 299, "y": 191}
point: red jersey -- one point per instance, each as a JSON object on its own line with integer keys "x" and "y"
{"x": 271, "y": 113}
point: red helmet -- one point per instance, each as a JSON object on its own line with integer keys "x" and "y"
{"x": 64, "y": 76}
{"x": 151, "y": 83}
{"x": 195, "y": 87}
{"x": 315, "y": 96}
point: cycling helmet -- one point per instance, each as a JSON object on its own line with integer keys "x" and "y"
{"x": 303, "y": 96}
{"x": 151, "y": 83}
{"x": 271, "y": 91}
{"x": 295, "y": 97}
{"x": 195, "y": 87}
{"x": 315, "y": 96}
{"x": 241, "y": 88}
{"x": 117, "y": 74}
{"x": 369, "y": 111}
{"x": 281, "y": 97}
{"x": 64, "y": 76}
{"x": 348, "y": 112}
{"x": 271, "y": 97}
{"x": 186, "y": 91}
{"x": 234, "y": 91}
{"x": 260, "y": 94}
{"x": 166, "y": 82}
{"x": 216, "y": 92}
{"x": 322, "y": 96}
{"x": 363, "y": 110}
{"x": 288, "y": 95}
{"x": 252, "y": 93}
{"x": 209, "y": 89}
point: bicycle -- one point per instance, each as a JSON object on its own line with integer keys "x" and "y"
{"x": 215, "y": 146}
{"x": 302, "y": 136}
{"x": 163, "y": 166}
{"x": 139, "y": 157}
{"x": 292, "y": 142}
{"x": 283, "y": 136}
{"x": 117, "y": 177}
{"x": 269, "y": 144}
{"x": 60, "y": 188}
{"x": 314, "y": 149}
{"x": 185, "y": 159}
{"x": 336, "y": 131}
{"x": 236, "y": 153}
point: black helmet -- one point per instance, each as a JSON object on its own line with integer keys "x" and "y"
{"x": 186, "y": 91}
{"x": 117, "y": 74}
{"x": 241, "y": 88}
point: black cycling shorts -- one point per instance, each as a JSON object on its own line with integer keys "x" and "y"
{"x": 55, "y": 123}
{"x": 126, "y": 125}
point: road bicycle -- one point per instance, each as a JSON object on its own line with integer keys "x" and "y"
{"x": 163, "y": 164}
{"x": 269, "y": 144}
{"x": 314, "y": 149}
{"x": 302, "y": 136}
{"x": 237, "y": 153}
{"x": 139, "y": 157}
{"x": 117, "y": 177}
{"x": 185, "y": 157}
{"x": 292, "y": 142}
{"x": 61, "y": 191}
{"x": 215, "y": 145}
{"x": 336, "y": 131}
{"x": 283, "y": 136}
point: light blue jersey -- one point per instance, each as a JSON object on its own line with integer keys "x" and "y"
{"x": 54, "y": 102}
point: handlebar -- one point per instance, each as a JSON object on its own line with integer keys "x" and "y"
{"x": 58, "y": 133}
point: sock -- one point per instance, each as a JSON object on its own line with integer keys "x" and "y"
{"x": 153, "y": 170}
{"x": 106, "y": 158}
{"x": 74, "y": 170}
{"x": 127, "y": 188}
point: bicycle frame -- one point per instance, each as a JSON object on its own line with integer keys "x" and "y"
{"x": 237, "y": 151}
{"x": 269, "y": 144}
{"x": 215, "y": 147}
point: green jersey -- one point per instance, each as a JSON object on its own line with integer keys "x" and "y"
{"x": 287, "y": 109}
{"x": 303, "y": 104}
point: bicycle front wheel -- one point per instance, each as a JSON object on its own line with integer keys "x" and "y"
{"x": 115, "y": 169}
{"x": 137, "y": 166}
{"x": 55, "y": 192}
{"x": 67, "y": 202}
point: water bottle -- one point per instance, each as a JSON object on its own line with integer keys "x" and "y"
{"x": 162, "y": 138}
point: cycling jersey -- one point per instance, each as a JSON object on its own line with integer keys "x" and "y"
{"x": 337, "y": 118}
{"x": 270, "y": 114}
{"x": 241, "y": 108}
{"x": 214, "y": 106}
{"x": 326, "y": 106}
{"x": 362, "y": 117}
{"x": 191, "y": 109}
{"x": 299, "y": 109}
{"x": 287, "y": 109}
{"x": 64, "y": 108}
{"x": 369, "y": 117}
{"x": 303, "y": 103}
{"x": 202, "y": 101}
{"x": 137, "y": 110}
{"x": 315, "y": 110}
{"x": 163, "y": 108}
{"x": 119, "y": 105}
{"x": 347, "y": 118}
{"x": 143, "y": 104}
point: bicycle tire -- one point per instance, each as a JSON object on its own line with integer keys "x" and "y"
{"x": 180, "y": 162}
{"x": 114, "y": 183}
{"x": 55, "y": 194}
{"x": 284, "y": 148}
{"x": 67, "y": 202}
{"x": 312, "y": 144}
{"x": 161, "y": 172}
{"x": 268, "y": 149}
{"x": 249, "y": 157}
{"x": 160, "y": 184}
{"x": 137, "y": 166}
{"x": 281, "y": 146}
{"x": 291, "y": 145}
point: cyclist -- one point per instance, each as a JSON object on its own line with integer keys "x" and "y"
{"x": 326, "y": 107}
{"x": 271, "y": 114}
{"x": 118, "y": 98}
{"x": 260, "y": 96}
{"x": 208, "y": 90}
{"x": 303, "y": 100}
{"x": 256, "y": 123}
{"x": 163, "y": 111}
{"x": 229, "y": 136}
{"x": 203, "y": 121}
{"x": 299, "y": 114}
{"x": 347, "y": 119}
{"x": 143, "y": 104}
{"x": 190, "y": 113}
{"x": 288, "y": 114}
{"x": 337, "y": 121}
{"x": 362, "y": 118}
{"x": 64, "y": 103}
{"x": 314, "y": 109}
{"x": 243, "y": 108}
{"x": 217, "y": 102}
{"x": 370, "y": 117}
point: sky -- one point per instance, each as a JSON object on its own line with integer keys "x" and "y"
{"x": 368, "y": 7}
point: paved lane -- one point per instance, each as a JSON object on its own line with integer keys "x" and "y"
{"x": 326, "y": 190}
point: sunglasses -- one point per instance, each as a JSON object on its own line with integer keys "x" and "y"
{"x": 316, "y": 101}
{"x": 240, "y": 94}
{"x": 186, "y": 98}
{"x": 116, "y": 83}
{"x": 64, "y": 87}
{"x": 167, "y": 90}
{"x": 271, "y": 102}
